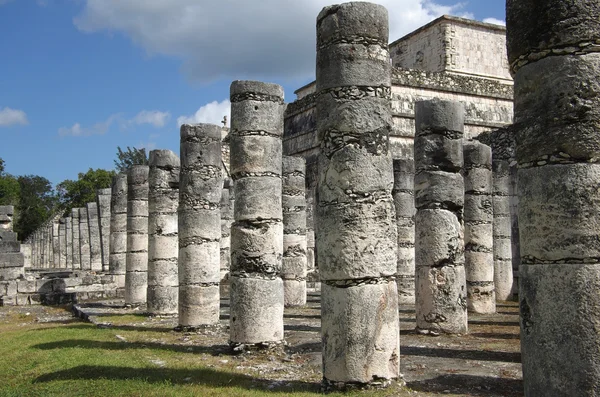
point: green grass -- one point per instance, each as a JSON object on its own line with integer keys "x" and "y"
{"x": 73, "y": 358}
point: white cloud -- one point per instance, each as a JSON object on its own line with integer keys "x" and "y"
{"x": 271, "y": 39}
{"x": 2, "y": 2}
{"x": 212, "y": 112}
{"x": 154, "y": 117}
{"x": 10, "y": 117}
{"x": 97, "y": 129}
{"x": 494, "y": 21}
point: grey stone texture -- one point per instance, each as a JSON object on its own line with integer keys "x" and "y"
{"x": 136, "y": 263}
{"x": 355, "y": 220}
{"x": 84, "y": 240}
{"x": 68, "y": 243}
{"x": 404, "y": 202}
{"x": 103, "y": 200}
{"x": 199, "y": 260}
{"x": 294, "y": 262}
{"x": 12, "y": 260}
{"x": 94, "y": 235}
{"x": 163, "y": 248}
{"x": 62, "y": 243}
{"x": 478, "y": 216}
{"x": 227, "y": 203}
{"x": 256, "y": 288}
{"x": 118, "y": 228}
{"x": 75, "y": 239}
{"x": 553, "y": 50}
{"x": 440, "y": 290}
{"x": 55, "y": 244}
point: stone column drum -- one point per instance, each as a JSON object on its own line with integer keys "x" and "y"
{"x": 404, "y": 202}
{"x": 294, "y": 262}
{"x": 55, "y": 244}
{"x": 62, "y": 243}
{"x": 478, "y": 216}
{"x": 136, "y": 266}
{"x": 103, "y": 199}
{"x": 118, "y": 229}
{"x": 227, "y": 201}
{"x": 554, "y": 55}
{"x": 84, "y": 240}
{"x": 256, "y": 288}
{"x": 163, "y": 200}
{"x": 355, "y": 222}
{"x": 199, "y": 225}
{"x": 94, "y": 235}
{"x": 75, "y": 238}
{"x": 440, "y": 290}
{"x": 69, "y": 243}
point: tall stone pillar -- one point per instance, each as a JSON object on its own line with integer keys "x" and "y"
{"x": 75, "y": 238}
{"x": 55, "y": 244}
{"x": 440, "y": 296}
{"x": 118, "y": 228}
{"x": 478, "y": 216}
{"x": 404, "y": 202}
{"x": 256, "y": 288}
{"x": 227, "y": 201}
{"x": 103, "y": 198}
{"x": 503, "y": 156}
{"x": 94, "y": 235}
{"x": 136, "y": 275}
{"x": 12, "y": 260}
{"x": 62, "y": 242}
{"x": 356, "y": 236}
{"x": 49, "y": 243}
{"x": 163, "y": 200}
{"x": 84, "y": 240}
{"x": 69, "y": 242}
{"x": 199, "y": 224}
{"x": 553, "y": 51}
{"x": 294, "y": 260}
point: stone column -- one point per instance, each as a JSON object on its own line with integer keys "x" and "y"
{"x": 75, "y": 238}
{"x": 118, "y": 228}
{"x": 49, "y": 244}
{"x": 12, "y": 260}
{"x": 103, "y": 198}
{"x": 503, "y": 256}
{"x": 257, "y": 233}
{"x": 440, "y": 296}
{"x": 94, "y": 235}
{"x": 69, "y": 242}
{"x": 199, "y": 224}
{"x": 294, "y": 261}
{"x": 84, "y": 240}
{"x": 553, "y": 51}
{"x": 55, "y": 244}
{"x": 163, "y": 200}
{"x": 136, "y": 275}
{"x": 479, "y": 242}
{"x": 227, "y": 203}
{"x": 62, "y": 242}
{"x": 356, "y": 236}
{"x": 404, "y": 202}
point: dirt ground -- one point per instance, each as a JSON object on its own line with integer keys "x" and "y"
{"x": 486, "y": 362}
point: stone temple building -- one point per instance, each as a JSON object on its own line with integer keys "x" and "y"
{"x": 450, "y": 58}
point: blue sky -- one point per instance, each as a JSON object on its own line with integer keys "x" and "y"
{"x": 80, "y": 77}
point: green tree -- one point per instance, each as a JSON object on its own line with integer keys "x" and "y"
{"x": 131, "y": 156}
{"x": 9, "y": 187}
{"x": 73, "y": 194}
{"x": 37, "y": 202}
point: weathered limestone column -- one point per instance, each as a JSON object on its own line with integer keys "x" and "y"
{"x": 75, "y": 238}
{"x": 55, "y": 244}
{"x": 554, "y": 53}
{"x": 69, "y": 242}
{"x": 356, "y": 236}
{"x": 256, "y": 288}
{"x": 294, "y": 261}
{"x": 440, "y": 296}
{"x": 404, "y": 202}
{"x": 136, "y": 276}
{"x": 84, "y": 240}
{"x": 199, "y": 224}
{"x": 478, "y": 216}
{"x": 118, "y": 228}
{"x": 62, "y": 243}
{"x": 502, "y": 225}
{"x": 163, "y": 248}
{"x": 94, "y": 234}
{"x": 49, "y": 243}
{"x": 103, "y": 198}
{"x": 227, "y": 201}
{"x": 12, "y": 260}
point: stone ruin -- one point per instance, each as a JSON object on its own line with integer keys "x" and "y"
{"x": 382, "y": 184}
